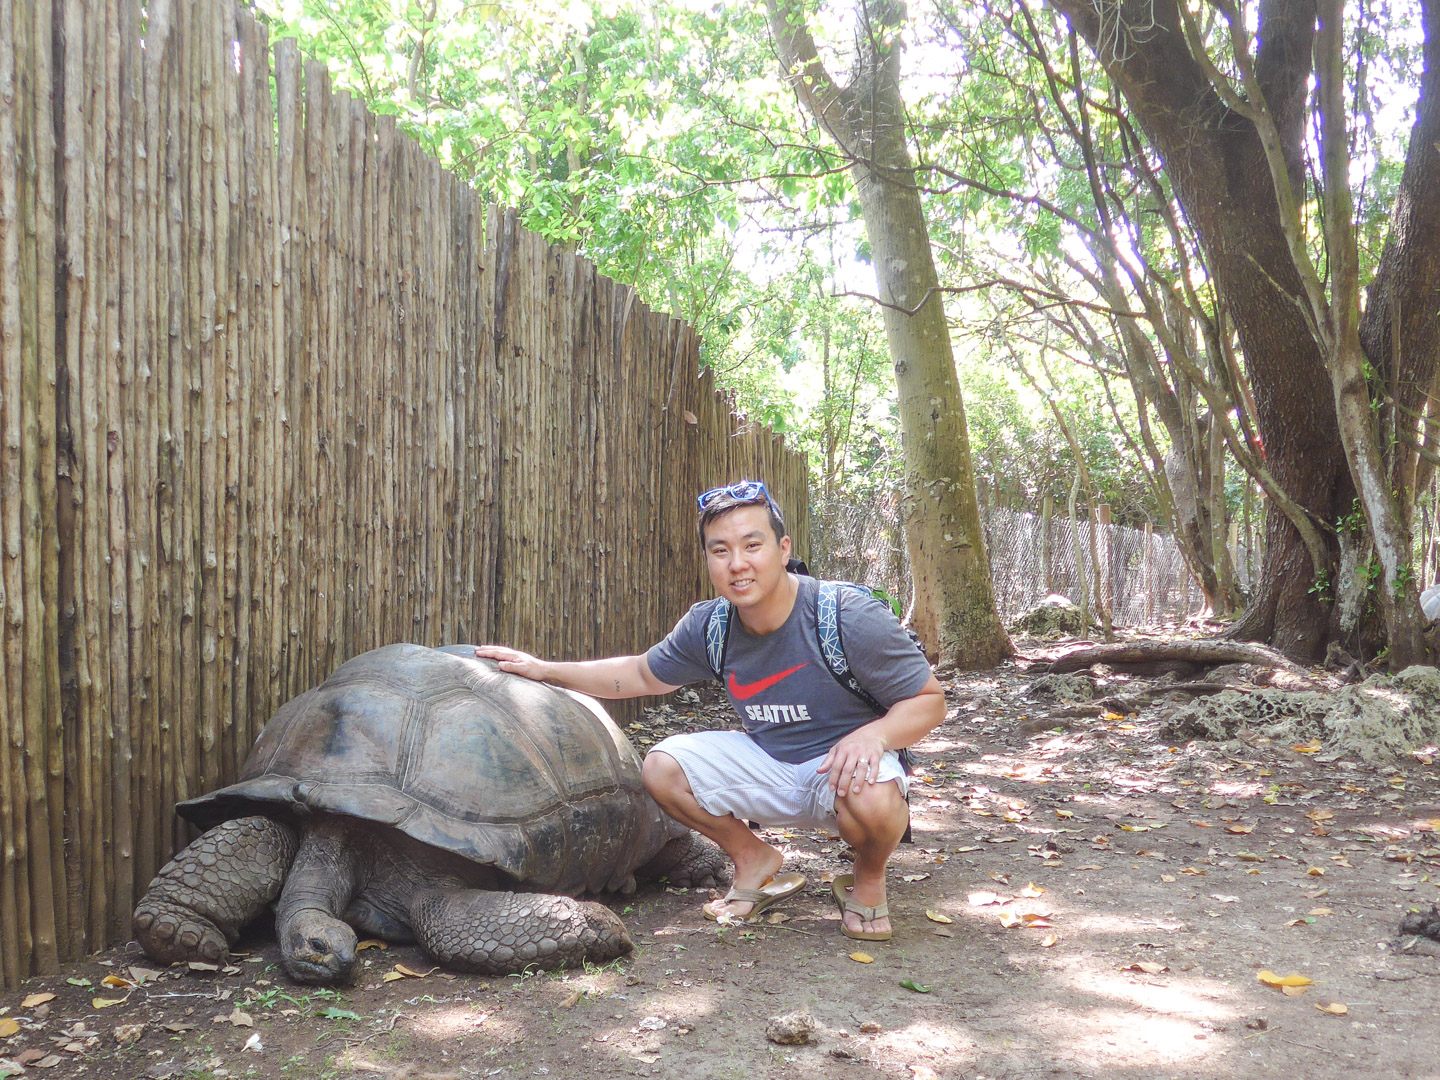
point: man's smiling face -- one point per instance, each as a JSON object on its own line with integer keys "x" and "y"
{"x": 746, "y": 562}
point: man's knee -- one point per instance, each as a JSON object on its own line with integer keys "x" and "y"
{"x": 875, "y": 806}
{"x": 663, "y": 776}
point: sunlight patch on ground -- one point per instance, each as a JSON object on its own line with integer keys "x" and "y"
{"x": 1197, "y": 1000}
{"x": 1243, "y": 789}
{"x": 1106, "y": 1036}
{"x": 458, "y": 1020}
{"x": 948, "y": 1040}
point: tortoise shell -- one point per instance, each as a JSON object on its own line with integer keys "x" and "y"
{"x": 534, "y": 781}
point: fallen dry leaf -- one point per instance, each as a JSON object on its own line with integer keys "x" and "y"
{"x": 1314, "y": 746}
{"x": 403, "y": 970}
{"x": 915, "y": 877}
{"x": 49, "y": 1061}
{"x": 105, "y": 1003}
{"x": 240, "y": 1018}
{"x": 935, "y": 916}
{"x": 985, "y": 899}
{"x": 1269, "y": 978}
{"x": 371, "y": 943}
{"x": 8, "y": 1028}
{"x": 1029, "y": 919}
{"x": 1293, "y": 991}
{"x": 1169, "y": 879}
{"x": 126, "y": 1034}
{"x": 36, "y": 999}
{"x": 1320, "y": 911}
{"x": 923, "y": 1072}
{"x": 571, "y": 1000}
{"x": 1239, "y": 830}
{"x": 1049, "y": 941}
{"x": 1315, "y": 871}
{"x": 1335, "y": 1008}
{"x": 1066, "y": 814}
{"x": 391, "y": 976}
{"x": 198, "y": 965}
{"x": 116, "y": 982}
{"x": 862, "y": 958}
{"x": 1032, "y": 890}
{"x": 1149, "y": 967}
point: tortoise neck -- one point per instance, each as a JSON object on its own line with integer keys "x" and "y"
{"x": 326, "y": 873}
{"x": 315, "y": 943}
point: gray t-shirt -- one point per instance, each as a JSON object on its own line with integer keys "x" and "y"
{"x": 787, "y": 698}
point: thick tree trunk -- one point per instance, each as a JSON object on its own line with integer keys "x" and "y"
{"x": 1299, "y": 334}
{"x": 1217, "y": 165}
{"x": 954, "y": 602}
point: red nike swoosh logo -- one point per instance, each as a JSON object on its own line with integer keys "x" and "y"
{"x": 742, "y": 691}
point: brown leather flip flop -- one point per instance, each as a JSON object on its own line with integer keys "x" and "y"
{"x": 840, "y": 887}
{"x": 772, "y": 892}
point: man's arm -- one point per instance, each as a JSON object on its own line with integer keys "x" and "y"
{"x": 613, "y": 677}
{"x": 858, "y": 754}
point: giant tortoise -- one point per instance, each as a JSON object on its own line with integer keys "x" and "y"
{"x": 423, "y": 795}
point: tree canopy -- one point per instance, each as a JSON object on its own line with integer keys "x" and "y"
{"x": 1180, "y": 247}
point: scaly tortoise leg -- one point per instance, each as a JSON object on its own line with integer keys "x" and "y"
{"x": 200, "y": 900}
{"x": 500, "y": 933}
{"x": 689, "y": 862}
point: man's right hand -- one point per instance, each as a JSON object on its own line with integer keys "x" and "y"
{"x": 514, "y": 661}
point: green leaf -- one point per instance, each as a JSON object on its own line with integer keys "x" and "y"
{"x": 911, "y": 984}
{"x": 332, "y": 1013}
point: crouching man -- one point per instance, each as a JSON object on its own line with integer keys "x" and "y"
{"x": 814, "y": 752}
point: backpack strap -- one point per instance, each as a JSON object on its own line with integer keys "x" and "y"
{"x": 832, "y": 643}
{"x": 717, "y": 637}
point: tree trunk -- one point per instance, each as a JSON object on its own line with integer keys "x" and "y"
{"x": 1217, "y": 165}
{"x": 953, "y": 599}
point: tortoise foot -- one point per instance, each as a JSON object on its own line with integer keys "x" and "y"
{"x": 690, "y": 862}
{"x": 501, "y": 933}
{"x": 174, "y": 934}
{"x": 200, "y": 899}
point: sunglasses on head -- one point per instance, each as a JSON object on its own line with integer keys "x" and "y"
{"x": 742, "y": 491}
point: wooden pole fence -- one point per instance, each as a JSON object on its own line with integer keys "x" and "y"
{"x": 275, "y": 389}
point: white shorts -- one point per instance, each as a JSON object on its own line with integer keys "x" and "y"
{"x": 730, "y": 774}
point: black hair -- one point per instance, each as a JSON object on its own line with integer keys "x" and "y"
{"x": 724, "y": 504}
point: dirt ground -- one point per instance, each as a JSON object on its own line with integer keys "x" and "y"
{"x": 1082, "y": 899}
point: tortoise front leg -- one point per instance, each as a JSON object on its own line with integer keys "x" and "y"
{"x": 500, "y": 933}
{"x": 202, "y": 898}
{"x": 689, "y": 862}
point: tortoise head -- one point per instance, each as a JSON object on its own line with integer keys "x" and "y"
{"x": 317, "y": 948}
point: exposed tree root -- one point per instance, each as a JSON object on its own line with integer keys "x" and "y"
{"x": 1195, "y": 652}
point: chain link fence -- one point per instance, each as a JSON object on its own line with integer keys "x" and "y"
{"x": 1143, "y": 578}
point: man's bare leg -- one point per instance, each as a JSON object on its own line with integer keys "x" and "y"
{"x": 872, "y": 821}
{"x": 756, "y": 862}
